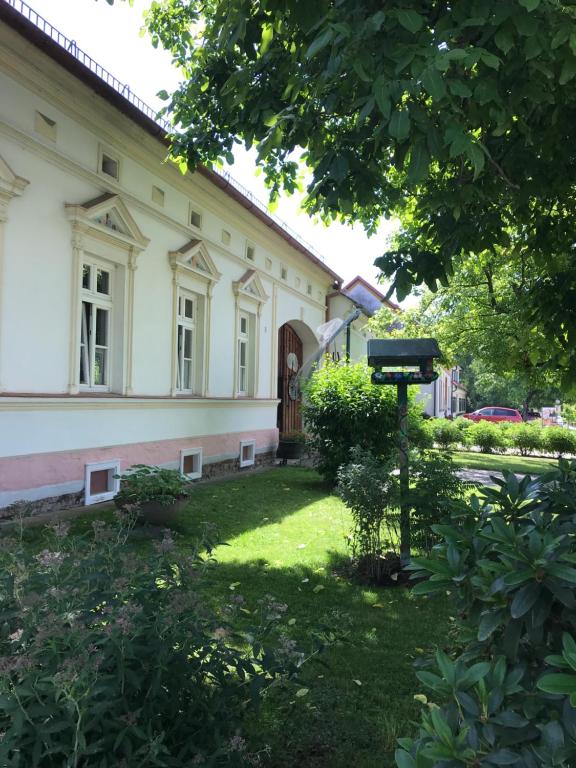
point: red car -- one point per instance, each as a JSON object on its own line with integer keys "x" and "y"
{"x": 494, "y": 414}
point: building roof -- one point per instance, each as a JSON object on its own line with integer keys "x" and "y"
{"x": 360, "y": 290}
{"x": 50, "y": 41}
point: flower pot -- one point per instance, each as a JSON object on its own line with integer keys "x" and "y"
{"x": 289, "y": 450}
{"x": 162, "y": 514}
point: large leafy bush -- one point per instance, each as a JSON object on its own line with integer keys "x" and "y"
{"x": 508, "y": 562}
{"x": 445, "y": 433}
{"x": 526, "y": 438}
{"x": 487, "y": 436}
{"x": 111, "y": 657}
{"x": 559, "y": 440}
{"x": 342, "y": 409}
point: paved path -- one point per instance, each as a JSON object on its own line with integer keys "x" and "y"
{"x": 481, "y": 476}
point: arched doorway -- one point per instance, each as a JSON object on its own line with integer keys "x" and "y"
{"x": 290, "y": 353}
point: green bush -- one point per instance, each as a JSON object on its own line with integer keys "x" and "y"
{"x": 143, "y": 484}
{"x": 369, "y": 489}
{"x": 342, "y": 409}
{"x": 487, "y": 436}
{"x": 526, "y": 438}
{"x": 559, "y": 440}
{"x": 111, "y": 657}
{"x": 506, "y": 696}
{"x": 445, "y": 433}
{"x": 463, "y": 424}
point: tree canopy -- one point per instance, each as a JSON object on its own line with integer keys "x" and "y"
{"x": 458, "y": 117}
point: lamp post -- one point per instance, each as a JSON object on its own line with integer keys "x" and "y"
{"x": 396, "y": 356}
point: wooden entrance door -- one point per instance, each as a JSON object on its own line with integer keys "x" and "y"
{"x": 289, "y": 362}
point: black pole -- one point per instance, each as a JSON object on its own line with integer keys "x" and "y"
{"x": 404, "y": 480}
{"x": 347, "y": 344}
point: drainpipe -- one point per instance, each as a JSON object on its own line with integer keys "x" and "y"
{"x": 348, "y": 344}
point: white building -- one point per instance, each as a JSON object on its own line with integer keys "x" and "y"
{"x": 445, "y": 397}
{"x": 145, "y": 316}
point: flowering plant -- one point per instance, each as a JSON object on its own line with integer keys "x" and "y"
{"x": 110, "y": 656}
{"x": 143, "y": 484}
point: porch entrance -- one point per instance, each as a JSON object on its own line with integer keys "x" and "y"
{"x": 289, "y": 362}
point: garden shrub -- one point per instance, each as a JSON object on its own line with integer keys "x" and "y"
{"x": 111, "y": 657}
{"x": 342, "y": 409}
{"x": 506, "y": 696}
{"x": 445, "y": 433}
{"x": 487, "y": 436}
{"x": 462, "y": 424}
{"x": 526, "y": 438}
{"x": 559, "y": 440}
{"x": 370, "y": 488}
{"x": 143, "y": 484}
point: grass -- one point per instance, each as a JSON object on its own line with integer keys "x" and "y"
{"x": 285, "y": 535}
{"x": 494, "y": 462}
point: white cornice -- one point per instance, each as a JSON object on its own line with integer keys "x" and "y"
{"x": 79, "y": 403}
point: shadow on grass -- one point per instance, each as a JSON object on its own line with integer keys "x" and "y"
{"x": 363, "y": 699}
{"x": 246, "y": 502}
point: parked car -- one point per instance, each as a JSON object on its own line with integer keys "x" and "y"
{"x": 493, "y": 413}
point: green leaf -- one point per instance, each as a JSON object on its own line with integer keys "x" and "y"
{"x": 524, "y": 599}
{"x": 557, "y": 683}
{"x": 504, "y": 40}
{"x": 381, "y": 90}
{"x": 490, "y": 60}
{"x": 563, "y": 572}
{"x": 403, "y": 759}
{"x": 530, "y": 5}
{"x": 399, "y": 126}
{"x": 419, "y": 162}
{"x": 477, "y": 158}
{"x": 410, "y": 20}
{"x": 568, "y": 70}
{"x": 319, "y": 43}
{"x": 434, "y": 83}
{"x": 488, "y": 624}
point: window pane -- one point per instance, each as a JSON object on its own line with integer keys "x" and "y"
{"x": 187, "y": 375}
{"x": 188, "y": 308}
{"x": 100, "y": 360}
{"x": 86, "y": 276}
{"x": 244, "y": 325}
{"x": 242, "y": 380}
{"x": 102, "y": 327}
{"x": 187, "y": 343}
{"x": 84, "y": 349}
{"x": 242, "y": 353}
{"x": 103, "y": 281}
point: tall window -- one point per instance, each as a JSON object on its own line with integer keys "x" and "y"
{"x": 95, "y": 326}
{"x": 243, "y": 342}
{"x": 186, "y": 342}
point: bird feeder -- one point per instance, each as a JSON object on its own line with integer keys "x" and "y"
{"x": 403, "y": 362}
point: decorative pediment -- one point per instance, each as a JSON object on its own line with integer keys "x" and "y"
{"x": 10, "y": 184}
{"x": 195, "y": 258}
{"x": 250, "y": 285}
{"x": 109, "y": 216}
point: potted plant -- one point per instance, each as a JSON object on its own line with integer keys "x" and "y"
{"x": 291, "y": 445}
{"x": 157, "y": 493}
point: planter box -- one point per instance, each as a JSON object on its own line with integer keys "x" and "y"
{"x": 289, "y": 450}
{"x": 162, "y": 514}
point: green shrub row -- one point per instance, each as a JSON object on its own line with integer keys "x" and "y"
{"x": 526, "y": 439}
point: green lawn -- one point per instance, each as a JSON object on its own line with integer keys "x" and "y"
{"x": 285, "y": 536}
{"x": 498, "y": 463}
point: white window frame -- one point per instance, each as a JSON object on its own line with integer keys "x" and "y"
{"x": 112, "y": 466}
{"x": 250, "y": 247}
{"x": 184, "y": 324}
{"x": 87, "y": 337}
{"x": 197, "y": 453}
{"x": 252, "y": 460}
{"x": 243, "y": 341}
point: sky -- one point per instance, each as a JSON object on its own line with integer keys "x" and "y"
{"x": 113, "y": 36}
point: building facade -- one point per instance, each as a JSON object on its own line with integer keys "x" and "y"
{"x": 146, "y": 316}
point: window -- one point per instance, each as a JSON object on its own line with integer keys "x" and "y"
{"x": 45, "y": 126}
{"x": 110, "y": 165}
{"x": 186, "y": 315}
{"x": 95, "y": 326}
{"x": 100, "y": 483}
{"x": 158, "y": 196}
{"x": 247, "y": 453}
{"x": 195, "y": 218}
{"x": 191, "y": 463}
{"x": 226, "y": 237}
{"x": 243, "y": 353}
{"x": 309, "y": 289}
{"x": 250, "y": 252}
{"x": 283, "y": 273}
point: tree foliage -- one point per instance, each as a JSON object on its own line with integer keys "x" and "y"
{"x": 459, "y": 117}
